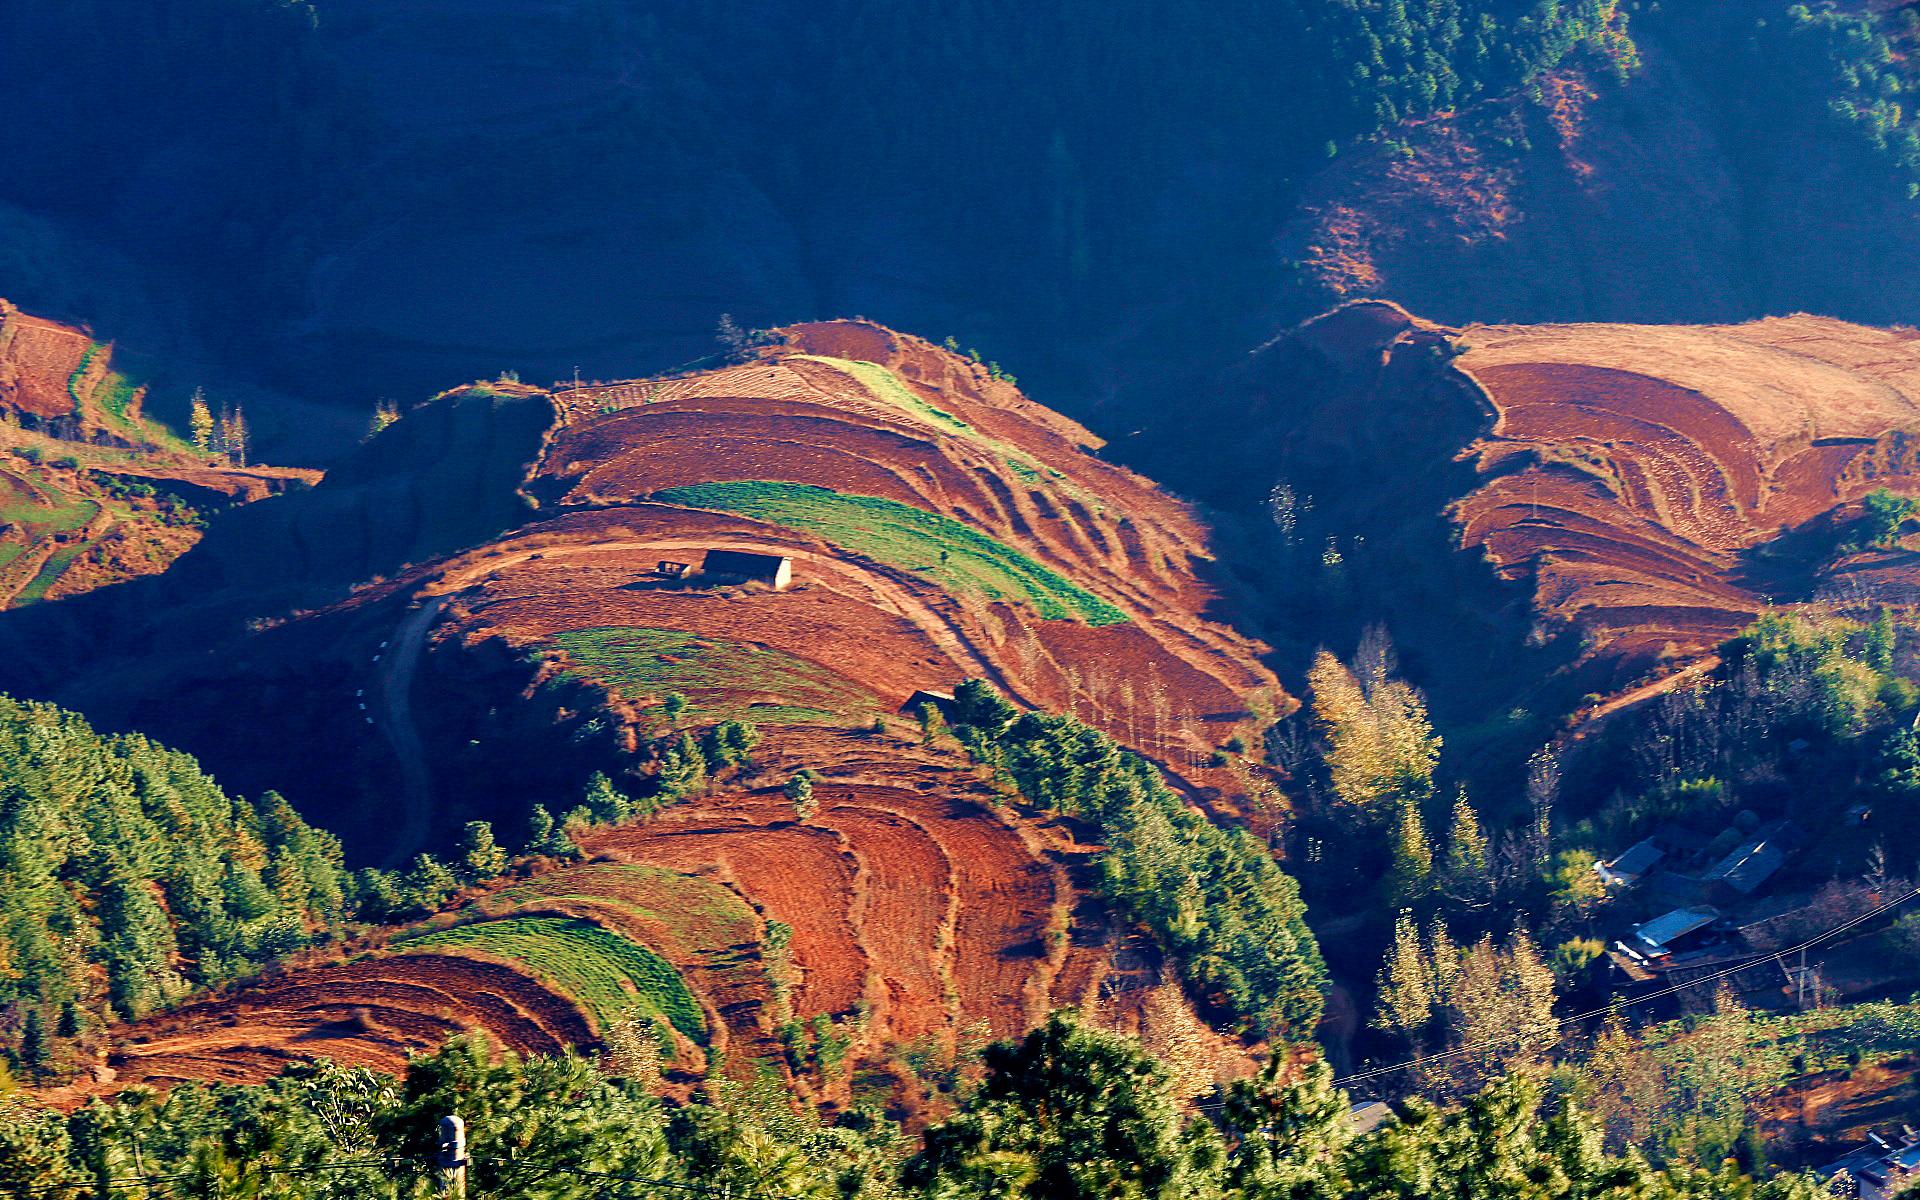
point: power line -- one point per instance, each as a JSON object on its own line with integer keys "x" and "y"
{"x": 1578, "y": 1018}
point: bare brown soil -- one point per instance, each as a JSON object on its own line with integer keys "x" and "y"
{"x": 1651, "y": 482}
{"x": 922, "y": 911}
{"x": 372, "y": 1012}
{"x": 37, "y": 358}
{"x": 995, "y": 461}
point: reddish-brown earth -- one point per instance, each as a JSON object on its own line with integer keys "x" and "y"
{"x": 372, "y": 1012}
{"x": 91, "y": 492}
{"x": 924, "y": 914}
{"x": 925, "y": 911}
{"x": 1650, "y": 481}
{"x": 995, "y": 462}
{"x": 1645, "y": 490}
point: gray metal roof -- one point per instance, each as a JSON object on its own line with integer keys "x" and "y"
{"x": 1634, "y": 862}
{"x": 1676, "y": 924}
{"x": 1749, "y": 865}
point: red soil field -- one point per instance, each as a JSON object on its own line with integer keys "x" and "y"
{"x": 1640, "y": 477}
{"x": 920, "y": 912}
{"x": 1012, "y": 470}
{"x": 784, "y": 870}
{"x": 372, "y": 1012}
{"x": 37, "y": 358}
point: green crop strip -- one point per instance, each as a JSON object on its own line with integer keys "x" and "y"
{"x": 605, "y": 972}
{"x": 883, "y": 385}
{"x": 79, "y": 372}
{"x": 55, "y": 566}
{"x": 960, "y": 559}
{"x": 720, "y": 677}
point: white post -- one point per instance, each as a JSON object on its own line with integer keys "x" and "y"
{"x": 452, "y": 1158}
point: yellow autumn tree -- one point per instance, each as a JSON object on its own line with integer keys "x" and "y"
{"x": 1379, "y": 742}
{"x": 200, "y": 422}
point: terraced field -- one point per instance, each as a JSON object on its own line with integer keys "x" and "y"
{"x": 940, "y": 527}
{"x": 1647, "y": 489}
{"x": 92, "y": 491}
{"x": 915, "y": 916}
{"x": 372, "y": 1012}
{"x": 605, "y": 973}
{"x": 716, "y": 675}
{"x": 960, "y": 560}
{"x": 1643, "y": 478}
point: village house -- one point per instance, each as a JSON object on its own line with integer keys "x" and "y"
{"x": 774, "y": 570}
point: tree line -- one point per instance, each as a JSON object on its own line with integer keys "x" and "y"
{"x": 1068, "y": 1112}
{"x": 1213, "y": 897}
{"x": 128, "y": 878}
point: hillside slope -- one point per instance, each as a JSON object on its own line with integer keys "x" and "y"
{"x": 1681, "y": 192}
{"x": 940, "y": 527}
{"x": 1555, "y": 510}
{"x": 92, "y": 491}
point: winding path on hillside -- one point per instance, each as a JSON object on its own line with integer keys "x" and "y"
{"x": 401, "y": 657}
{"x": 394, "y": 684}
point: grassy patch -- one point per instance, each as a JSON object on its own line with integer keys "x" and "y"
{"x": 609, "y": 975}
{"x": 41, "y": 512}
{"x": 698, "y": 918}
{"x": 80, "y": 372}
{"x": 883, "y": 385}
{"x": 722, "y": 679}
{"x": 115, "y": 394}
{"x": 1025, "y": 471}
{"x": 55, "y": 566}
{"x": 888, "y": 388}
{"x": 960, "y": 559}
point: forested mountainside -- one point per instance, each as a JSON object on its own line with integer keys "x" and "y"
{"x": 131, "y": 879}
{"x": 399, "y": 194}
{"x": 607, "y": 798}
{"x": 734, "y": 747}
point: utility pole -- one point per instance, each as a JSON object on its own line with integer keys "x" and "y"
{"x": 452, "y": 1158}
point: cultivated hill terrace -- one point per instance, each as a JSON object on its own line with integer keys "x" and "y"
{"x": 92, "y": 491}
{"x": 1647, "y": 490}
{"x": 820, "y": 541}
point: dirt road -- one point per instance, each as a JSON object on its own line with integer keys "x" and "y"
{"x": 393, "y": 690}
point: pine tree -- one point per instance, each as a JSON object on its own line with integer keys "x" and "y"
{"x": 932, "y": 724}
{"x": 428, "y": 883}
{"x": 728, "y": 744}
{"x": 1290, "y": 1128}
{"x": 675, "y": 706}
{"x": 683, "y": 769}
{"x": 1067, "y": 1113}
{"x": 799, "y": 790}
{"x": 607, "y": 804}
{"x": 480, "y": 857}
{"x": 1410, "y": 875}
{"x": 36, "y": 1049}
{"x": 547, "y": 836}
{"x": 539, "y": 828}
